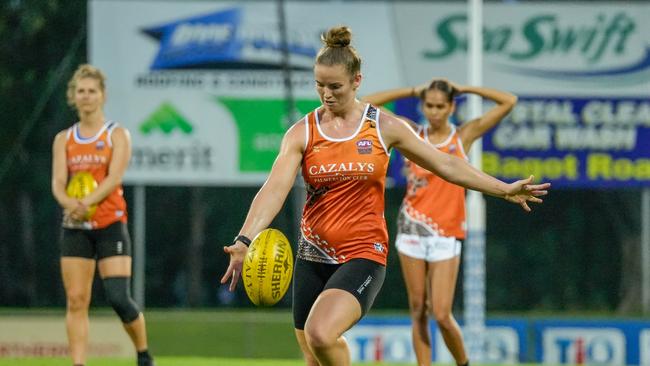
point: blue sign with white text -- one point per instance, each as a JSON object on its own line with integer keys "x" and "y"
{"x": 572, "y": 142}
{"x": 592, "y": 342}
{"x": 217, "y": 40}
{"x": 556, "y": 342}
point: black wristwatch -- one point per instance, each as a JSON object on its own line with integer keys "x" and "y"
{"x": 242, "y": 238}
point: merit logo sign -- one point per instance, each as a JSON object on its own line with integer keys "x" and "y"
{"x": 167, "y": 142}
{"x": 181, "y": 140}
{"x": 166, "y": 119}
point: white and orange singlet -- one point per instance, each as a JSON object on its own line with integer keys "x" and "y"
{"x": 93, "y": 154}
{"x": 343, "y": 217}
{"x": 432, "y": 207}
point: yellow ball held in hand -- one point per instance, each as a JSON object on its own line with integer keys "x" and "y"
{"x": 268, "y": 268}
{"x": 81, "y": 185}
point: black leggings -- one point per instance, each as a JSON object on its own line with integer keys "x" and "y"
{"x": 96, "y": 243}
{"x": 362, "y": 278}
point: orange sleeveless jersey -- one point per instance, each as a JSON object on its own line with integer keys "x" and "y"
{"x": 343, "y": 217}
{"x": 93, "y": 154}
{"x": 432, "y": 200}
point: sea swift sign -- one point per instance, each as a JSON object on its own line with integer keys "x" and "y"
{"x": 582, "y": 72}
{"x": 569, "y": 48}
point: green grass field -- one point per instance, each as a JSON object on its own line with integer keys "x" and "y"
{"x": 263, "y": 337}
{"x": 184, "y": 361}
{"x": 233, "y": 334}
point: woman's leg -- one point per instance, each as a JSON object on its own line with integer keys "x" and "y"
{"x": 327, "y": 301}
{"x": 309, "y": 279}
{"x": 443, "y": 277}
{"x": 114, "y": 262}
{"x": 414, "y": 272}
{"x": 115, "y": 271}
{"x": 334, "y": 312}
{"x": 77, "y": 274}
{"x": 310, "y": 359}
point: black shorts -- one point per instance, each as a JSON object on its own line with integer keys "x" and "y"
{"x": 362, "y": 278}
{"x": 97, "y": 243}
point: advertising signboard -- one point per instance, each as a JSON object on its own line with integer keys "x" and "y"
{"x": 200, "y": 85}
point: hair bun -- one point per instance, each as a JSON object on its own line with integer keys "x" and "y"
{"x": 337, "y": 37}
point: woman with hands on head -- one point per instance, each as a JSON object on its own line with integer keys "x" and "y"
{"x": 431, "y": 221}
{"x": 342, "y": 150}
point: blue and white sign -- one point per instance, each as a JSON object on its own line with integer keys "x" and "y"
{"x": 573, "y": 142}
{"x": 644, "y": 347}
{"x": 221, "y": 40}
{"x": 389, "y": 340}
{"x": 595, "y": 142}
{"x": 583, "y": 345}
{"x": 557, "y": 342}
{"x": 614, "y": 343}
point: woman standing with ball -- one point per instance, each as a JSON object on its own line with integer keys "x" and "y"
{"x": 342, "y": 150}
{"x": 102, "y": 148}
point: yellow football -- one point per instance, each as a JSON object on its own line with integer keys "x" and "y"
{"x": 268, "y": 268}
{"x": 79, "y": 186}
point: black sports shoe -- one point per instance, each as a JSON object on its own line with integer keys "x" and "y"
{"x": 146, "y": 362}
{"x": 145, "y": 359}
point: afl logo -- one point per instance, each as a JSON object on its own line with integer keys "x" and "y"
{"x": 100, "y": 145}
{"x": 364, "y": 146}
{"x": 452, "y": 148}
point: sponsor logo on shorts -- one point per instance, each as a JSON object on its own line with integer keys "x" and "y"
{"x": 119, "y": 247}
{"x": 444, "y": 245}
{"x": 411, "y": 241}
{"x": 364, "y": 284}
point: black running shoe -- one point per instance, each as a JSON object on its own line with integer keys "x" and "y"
{"x": 145, "y": 359}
